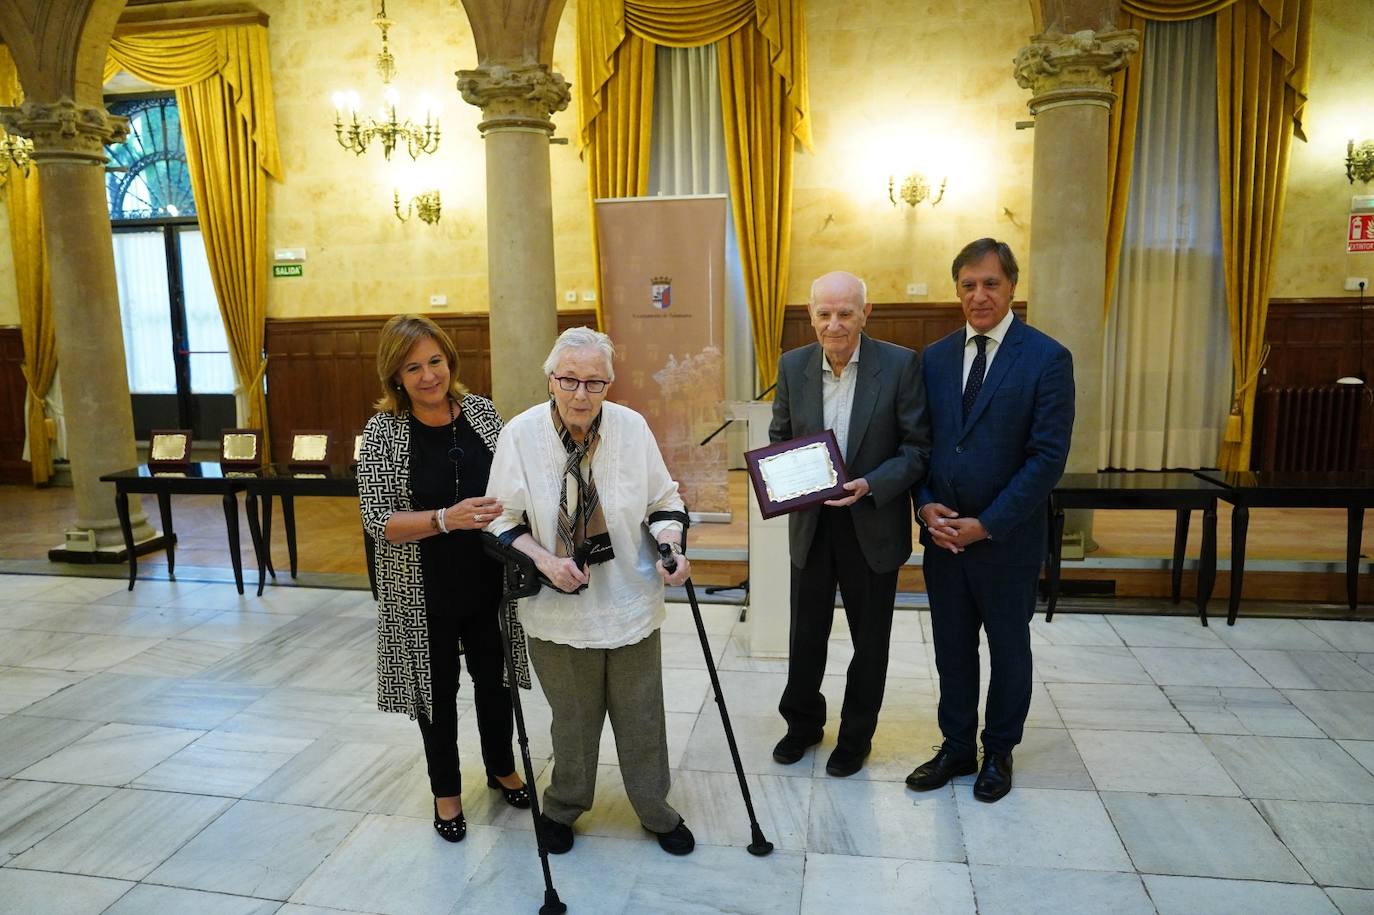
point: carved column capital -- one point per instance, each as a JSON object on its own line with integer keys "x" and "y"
{"x": 1073, "y": 69}
{"x": 65, "y": 131}
{"x": 520, "y": 97}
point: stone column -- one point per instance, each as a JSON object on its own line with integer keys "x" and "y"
{"x": 516, "y": 104}
{"x": 1070, "y": 80}
{"x": 68, "y": 149}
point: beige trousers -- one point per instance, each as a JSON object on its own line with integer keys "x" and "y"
{"x": 583, "y": 686}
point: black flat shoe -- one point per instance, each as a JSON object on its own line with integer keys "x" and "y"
{"x": 516, "y": 797}
{"x": 936, "y": 772}
{"x": 994, "y": 780}
{"x": 558, "y": 838}
{"x": 844, "y": 763}
{"x": 453, "y": 830}
{"x": 793, "y": 747}
{"x": 676, "y": 841}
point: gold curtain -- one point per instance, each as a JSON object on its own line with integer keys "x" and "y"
{"x": 618, "y": 154}
{"x": 1262, "y": 64}
{"x": 31, "y": 283}
{"x": 1121, "y": 130}
{"x": 223, "y": 86}
{"x": 1262, "y": 70}
{"x": 762, "y": 52}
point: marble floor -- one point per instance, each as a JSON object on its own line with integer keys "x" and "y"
{"x": 183, "y": 749}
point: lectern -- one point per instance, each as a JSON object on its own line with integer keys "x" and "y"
{"x": 769, "y": 616}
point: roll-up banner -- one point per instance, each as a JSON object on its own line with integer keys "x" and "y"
{"x": 663, "y": 301}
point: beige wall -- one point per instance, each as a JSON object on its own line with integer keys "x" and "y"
{"x": 9, "y": 297}
{"x": 360, "y": 258}
{"x": 898, "y": 86}
{"x": 895, "y": 86}
{"x": 1312, "y": 261}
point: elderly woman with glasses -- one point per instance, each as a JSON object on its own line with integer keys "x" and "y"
{"x": 585, "y": 494}
{"x": 422, "y": 479}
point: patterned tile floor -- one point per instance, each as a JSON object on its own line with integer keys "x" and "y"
{"x": 180, "y": 748}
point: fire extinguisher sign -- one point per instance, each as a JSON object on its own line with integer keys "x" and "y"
{"x": 1360, "y": 236}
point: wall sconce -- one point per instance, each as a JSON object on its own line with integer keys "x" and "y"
{"x": 14, "y": 152}
{"x": 425, "y": 205}
{"x": 914, "y": 189}
{"x": 1359, "y": 161}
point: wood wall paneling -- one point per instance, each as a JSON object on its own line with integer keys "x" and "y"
{"x": 322, "y": 372}
{"x": 13, "y": 392}
{"x": 1314, "y": 342}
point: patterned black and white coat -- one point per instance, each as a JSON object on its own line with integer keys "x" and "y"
{"x": 404, "y": 682}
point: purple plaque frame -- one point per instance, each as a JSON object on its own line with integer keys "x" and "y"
{"x": 771, "y": 509}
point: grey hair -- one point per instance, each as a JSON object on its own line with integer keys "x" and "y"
{"x": 581, "y": 338}
{"x": 811, "y": 296}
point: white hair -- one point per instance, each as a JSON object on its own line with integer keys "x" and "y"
{"x": 863, "y": 291}
{"x": 581, "y": 338}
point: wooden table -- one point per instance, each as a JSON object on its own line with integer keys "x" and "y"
{"x": 1245, "y": 489}
{"x": 164, "y": 482}
{"x": 286, "y": 483}
{"x": 1183, "y": 493}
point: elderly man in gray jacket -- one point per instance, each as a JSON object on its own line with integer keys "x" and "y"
{"x": 872, "y": 396}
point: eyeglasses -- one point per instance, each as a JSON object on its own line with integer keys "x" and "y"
{"x": 593, "y": 385}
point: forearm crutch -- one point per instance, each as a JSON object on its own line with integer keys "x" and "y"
{"x": 519, "y": 579}
{"x": 759, "y": 846}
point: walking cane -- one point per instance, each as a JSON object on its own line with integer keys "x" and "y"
{"x": 759, "y": 846}
{"x": 519, "y": 579}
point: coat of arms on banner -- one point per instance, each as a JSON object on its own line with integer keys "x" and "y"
{"x": 661, "y": 292}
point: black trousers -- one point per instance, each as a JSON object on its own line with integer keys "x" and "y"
{"x": 966, "y": 594}
{"x": 481, "y": 640}
{"x": 837, "y": 559}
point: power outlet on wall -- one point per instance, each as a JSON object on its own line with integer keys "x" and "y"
{"x": 1354, "y": 283}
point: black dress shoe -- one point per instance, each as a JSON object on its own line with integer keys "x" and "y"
{"x": 516, "y": 797}
{"x": 994, "y": 779}
{"x": 844, "y": 763}
{"x": 453, "y": 830}
{"x": 792, "y": 747}
{"x": 678, "y": 840}
{"x": 937, "y": 772}
{"x": 558, "y": 839}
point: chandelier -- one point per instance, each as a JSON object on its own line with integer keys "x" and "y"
{"x": 356, "y": 132}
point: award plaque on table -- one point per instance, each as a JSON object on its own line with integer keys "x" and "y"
{"x": 797, "y": 474}
{"x": 357, "y": 446}
{"x": 169, "y": 448}
{"x": 240, "y": 449}
{"x": 310, "y": 448}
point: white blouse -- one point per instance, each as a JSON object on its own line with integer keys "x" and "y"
{"x": 623, "y": 602}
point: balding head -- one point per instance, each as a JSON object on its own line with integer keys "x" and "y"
{"x": 839, "y": 309}
{"x": 839, "y": 285}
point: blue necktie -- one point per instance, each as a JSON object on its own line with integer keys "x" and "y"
{"x": 975, "y": 373}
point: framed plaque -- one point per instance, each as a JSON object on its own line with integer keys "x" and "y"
{"x": 357, "y": 446}
{"x": 240, "y": 448}
{"x": 169, "y": 447}
{"x": 796, "y": 474}
{"x": 310, "y": 448}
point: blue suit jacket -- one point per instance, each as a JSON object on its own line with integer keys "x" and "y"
{"x": 1001, "y": 464}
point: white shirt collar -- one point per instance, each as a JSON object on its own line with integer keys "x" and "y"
{"x": 853, "y": 358}
{"x": 996, "y": 334}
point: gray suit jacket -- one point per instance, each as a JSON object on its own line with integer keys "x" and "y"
{"x": 889, "y": 443}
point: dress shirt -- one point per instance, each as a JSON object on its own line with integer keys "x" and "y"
{"x": 837, "y": 396}
{"x": 993, "y": 345}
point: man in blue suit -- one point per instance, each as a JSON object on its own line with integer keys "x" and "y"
{"x": 1001, "y": 404}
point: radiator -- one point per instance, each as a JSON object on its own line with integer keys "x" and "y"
{"x": 1314, "y": 429}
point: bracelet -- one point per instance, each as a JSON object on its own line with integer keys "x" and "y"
{"x": 440, "y": 523}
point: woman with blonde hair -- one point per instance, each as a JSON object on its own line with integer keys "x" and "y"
{"x": 422, "y": 478}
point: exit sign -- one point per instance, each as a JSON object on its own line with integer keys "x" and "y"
{"x": 288, "y": 269}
